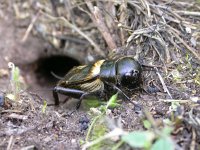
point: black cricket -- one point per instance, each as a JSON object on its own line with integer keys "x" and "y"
{"x": 98, "y": 78}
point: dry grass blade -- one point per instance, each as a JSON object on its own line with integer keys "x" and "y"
{"x": 193, "y": 51}
{"x": 10, "y": 143}
{"x": 164, "y": 17}
{"x": 30, "y": 27}
{"x": 193, "y": 142}
{"x": 16, "y": 116}
{"x": 99, "y": 21}
{"x": 188, "y": 13}
{"x": 65, "y": 22}
{"x": 163, "y": 84}
{"x": 132, "y": 24}
{"x": 104, "y": 30}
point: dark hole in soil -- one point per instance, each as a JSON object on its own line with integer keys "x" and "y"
{"x": 59, "y": 65}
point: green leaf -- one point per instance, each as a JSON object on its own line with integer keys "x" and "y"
{"x": 81, "y": 142}
{"x": 102, "y": 108}
{"x": 16, "y": 74}
{"x": 139, "y": 139}
{"x": 175, "y": 105}
{"x": 166, "y": 131}
{"x": 146, "y": 124}
{"x": 92, "y": 102}
{"x": 15, "y": 79}
{"x": 165, "y": 143}
{"x": 114, "y": 105}
{"x": 112, "y": 101}
{"x": 44, "y": 107}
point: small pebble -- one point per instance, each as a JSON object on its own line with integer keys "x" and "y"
{"x": 1, "y": 100}
{"x": 84, "y": 119}
{"x": 84, "y": 126}
{"x": 152, "y": 89}
{"x": 73, "y": 141}
{"x": 137, "y": 109}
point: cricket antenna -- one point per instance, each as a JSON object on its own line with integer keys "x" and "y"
{"x": 56, "y": 76}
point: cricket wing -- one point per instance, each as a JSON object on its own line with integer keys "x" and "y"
{"x": 82, "y": 74}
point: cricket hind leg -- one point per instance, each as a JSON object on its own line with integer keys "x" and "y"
{"x": 70, "y": 92}
{"x": 66, "y": 91}
{"x": 56, "y": 98}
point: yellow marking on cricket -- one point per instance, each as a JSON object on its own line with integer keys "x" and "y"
{"x": 95, "y": 70}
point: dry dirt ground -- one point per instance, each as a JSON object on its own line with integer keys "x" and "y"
{"x": 54, "y": 129}
{"x": 42, "y": 131}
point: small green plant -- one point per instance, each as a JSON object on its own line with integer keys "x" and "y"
{"x": 14, "y": 82}
{"x": 98, "y": 128}
{"x": 139, "y": 139}
{"x": 197, "y": 78}
{"x": 153, "y": 138}
{"x": 44, "y": 107}
{"x": 176, "y": 76}
{"x": 188, "y": 62}
{"x": 150, "y": 139}
{"x": 112, "y": 103}
{"x": 92, "y": 102}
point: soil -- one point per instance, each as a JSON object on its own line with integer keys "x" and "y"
{"x": 54, "y": 128}
{"x": 47, "y": 130}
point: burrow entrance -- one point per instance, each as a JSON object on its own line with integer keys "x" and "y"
{"x": 40, "y": 73}
{"x": 58, "y": 65}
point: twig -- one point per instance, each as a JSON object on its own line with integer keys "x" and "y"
{"x": 91, "y": 126}
{"x": 183, "y": 4}
{"x": 188, "y": 13}
{"x": 99, "y": 21}
{"x": 194, "y": 100}
{"x": 30, "y": 27}
{"x": 11, "y": 111}
{"x": 122, "y": 19}
{"x": 194, "y": 136}
{"x": 10, "y": 143}
{"x": 29, "y": 147}
{"x": 160, "y": 40}
{"x": 175, "y": 100}
{"x": 163, "y": 83}
{"x": 146, "y": 6}
{"x": 69, "y": 38}
{"x": 165, "y": 7}
{"x": 19, "y": 131}
{"x": 148, "y": 30}
{"x": 16, "y": 116}
{"x": 192, "y": 50}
